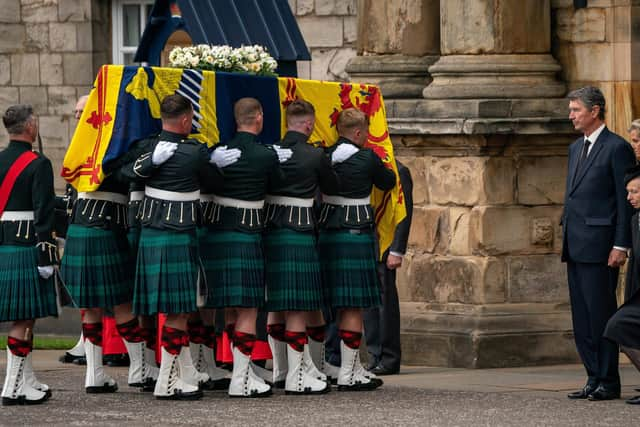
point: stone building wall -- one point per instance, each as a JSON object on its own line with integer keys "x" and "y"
{"x": 599, "y": 45}
{"x": 50, "y": 51}
{"x": 330, "y": 30}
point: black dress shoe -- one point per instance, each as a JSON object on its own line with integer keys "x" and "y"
{"x": 115, "y": 360}
{"x": 602, "y": 393}
{"x": 584, "y": 393}
{"x": 635, "y": 400}
{"x": 383, "y": 370}
{"x": 69, "y": 358}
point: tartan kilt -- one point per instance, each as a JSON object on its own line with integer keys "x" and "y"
{"x": 97, "y": 267}
{"x": 133, "y": 236}
{"x": 293, "y": 271}
{"x": 24, "y": 295}
{"x": 349, "y": 269}
{"x": 168, "y": 269}
{"x": 234, "y": 265}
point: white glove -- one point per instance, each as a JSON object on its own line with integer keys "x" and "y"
{"x": 46, "y": 271}
{"x": 223, "y": 156}
{"x": 163, "y": 152}
{"x": 343, "y": 152}
{"x": 284, "y": 154}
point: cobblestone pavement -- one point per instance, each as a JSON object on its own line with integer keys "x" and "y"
{"x": 419, "y": 396}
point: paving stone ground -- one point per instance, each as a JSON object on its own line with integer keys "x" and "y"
{"x": 419, "y": 396}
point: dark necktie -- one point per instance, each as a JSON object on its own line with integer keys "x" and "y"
{"x": 583, "y": 157}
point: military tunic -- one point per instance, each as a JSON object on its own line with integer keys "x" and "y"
{"x": 347, "y": 241}
{"x": 169, "y": 276}
{"x": 234, "y": 259}
{"x": 292, "y": 263}
{"x": 24, "y": 295}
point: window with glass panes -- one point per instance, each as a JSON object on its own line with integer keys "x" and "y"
{"x": 129, "y": 18}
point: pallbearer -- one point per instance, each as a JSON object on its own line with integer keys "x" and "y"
{"x": 235, "y": 259}
{"x": 294, "y": 283}
{"x": 347, "y": 242}
{"x": 27, "y": 252}
{"x": 169, "y": 277}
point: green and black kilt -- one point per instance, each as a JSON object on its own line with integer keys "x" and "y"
{"x": 293, "y": 274}
{"x": 97, "y": 267}
{"x": 235, "y": 268}
{"x": 168, "y": 269}
{"x": 24, "y": 295}
{"x": 133, "y": 236}
{"x": 349, "y": 268}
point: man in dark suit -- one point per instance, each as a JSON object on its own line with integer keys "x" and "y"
{"x": 596, "y": 236}
{"x": 382, "y": 324}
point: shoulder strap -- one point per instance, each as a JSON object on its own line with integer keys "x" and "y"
{"x": 14, "y": 172}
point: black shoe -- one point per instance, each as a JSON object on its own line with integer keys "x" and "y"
{"x": 383, "y": 370}
{"x": 80, "y": 361}
{"x": 179, "y": 395}
{"x": 635, "y": 400}
{"x": 602, "y": 393}
{"x": 106, "y": 388}
{"x": 115, "y": 360}
{"x": 22, "y": 400}
{"x": 584, "y": 393}
{"x": 221, "y": 384}
{"x": 211, "y": 385}
{"x": 69, "y": 358}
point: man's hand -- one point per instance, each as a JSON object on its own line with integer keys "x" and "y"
{"x": 46, "y": 271}
{"x": 343, "y": 152}
{"x": 223, "y": 156}
{"x": 393, "y": 261}
{"x": 284, "y": 154}
{"x": 163, "y": 152}
{"x": 617, "y": 258}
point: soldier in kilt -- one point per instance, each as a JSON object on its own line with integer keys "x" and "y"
{"x": 294, "y": 285}
{"x": 27, "y": 252}
{"x": 347, "y": 242}
{"x": 97, "y": 267}
{"x": 201, "y": 326}
{"x": 234, "y": 260}
{"x": 169, "y": 278}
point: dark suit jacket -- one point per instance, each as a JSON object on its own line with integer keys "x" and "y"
{"x": 632, "y": 284}
{"x": 401, "y": 234}
{"x": 596, "y": 213}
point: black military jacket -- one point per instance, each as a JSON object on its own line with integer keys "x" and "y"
{"x": 308, "y": 169}
{"x": 358, "y": 174}
{"x": 32, "y": 191}
{"x": 184, "y": 172}
{"x": 246, "y": 180}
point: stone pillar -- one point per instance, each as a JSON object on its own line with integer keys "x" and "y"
{"x": 482, "y": 284}
{"x": 397, "y": 42}
{"x": 495, "y": 49}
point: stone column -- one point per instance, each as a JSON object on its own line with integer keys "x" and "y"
{"x": 495, "y": 49}
{"x": 397, "y": 42}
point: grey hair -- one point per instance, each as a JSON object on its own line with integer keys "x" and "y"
{"x": 16, "y": 118}
{"x": 590, "y": 96}
{"x": 635, "y": 125}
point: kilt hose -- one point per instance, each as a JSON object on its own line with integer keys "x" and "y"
{"x": 349, "y": 269}
{"x": 97, "y": 267}
{"x": 234, "y": 265}
{"x": 24, "y": 295}
{"x": 293, "y": 274}
{"x": 168, "y": 269}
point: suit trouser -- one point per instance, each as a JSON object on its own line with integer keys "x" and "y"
{"x": 592, "y": 290}
{"x": 382, "y": 324}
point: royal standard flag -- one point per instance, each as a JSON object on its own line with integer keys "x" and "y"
{"x": 124, "y": 106}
